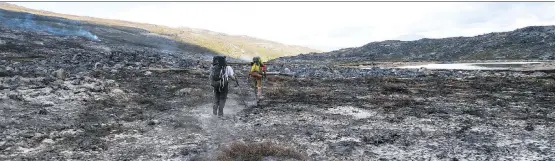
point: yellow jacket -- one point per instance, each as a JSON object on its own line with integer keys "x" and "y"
{"x": 256, "y": 68}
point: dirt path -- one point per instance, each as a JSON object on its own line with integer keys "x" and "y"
{"x": 183, "y": 118}
{"x": 220, "y": 130}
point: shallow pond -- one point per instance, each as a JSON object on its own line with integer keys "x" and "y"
{"x": 473, "y": 66}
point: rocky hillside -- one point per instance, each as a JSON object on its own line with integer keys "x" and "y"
{"x": 534, "y": 42}
{"x": 232, "y": 45}
{"x": 58, "y": 43}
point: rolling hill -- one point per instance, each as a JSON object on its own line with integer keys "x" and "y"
{"x": 528, "y": 43}
{"x": 235, "y": 46}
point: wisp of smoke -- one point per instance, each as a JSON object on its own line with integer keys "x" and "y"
{"x": 246, "y": 58}
{"x": 55, "y": 26}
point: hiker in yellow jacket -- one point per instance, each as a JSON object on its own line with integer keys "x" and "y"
{"x": 258, "y": 72}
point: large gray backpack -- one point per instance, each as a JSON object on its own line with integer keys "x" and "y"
{"x": 219, "y": 78}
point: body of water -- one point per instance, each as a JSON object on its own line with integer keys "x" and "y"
{"x": 472, "y": 66}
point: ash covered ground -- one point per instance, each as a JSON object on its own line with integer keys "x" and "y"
{"x": 71, "y": 98}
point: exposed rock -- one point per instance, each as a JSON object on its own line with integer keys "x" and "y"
{"x": 186, "y": 91}
{"x": 60, "y": 74}
{"x": 116, "y": 92}
{"x": 147, "y": 73}
{"x": 524, "y": 43}
{"x": 154, "y": 122}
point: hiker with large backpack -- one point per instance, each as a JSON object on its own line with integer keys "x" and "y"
{"x": 220, "y": 74}
{"x": 258, "y": 73}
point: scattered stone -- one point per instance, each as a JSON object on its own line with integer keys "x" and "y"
{"x": 43, "y": 112}
{"x": 60, "y": 74}
{"x": 530, "y": 127}
{"x": 48, "y": 141}
{"x": 154, "y": 122}
{"x": 185, "y": 91}
{"x": 538, "y": 74}
{"x": 116, "y": 91}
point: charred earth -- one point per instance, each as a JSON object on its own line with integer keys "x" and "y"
{"x": 117, "y": 95}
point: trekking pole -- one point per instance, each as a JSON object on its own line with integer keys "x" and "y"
{"x": 262, "y": 84}
{"x": 240, "y": 94}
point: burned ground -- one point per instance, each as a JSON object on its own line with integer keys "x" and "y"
{"x": 166, "y": 114}
{"x": 69, "y": 98}
{"x": 479, "y": 118}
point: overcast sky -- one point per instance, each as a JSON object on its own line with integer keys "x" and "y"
{"x": 323, "y": 25}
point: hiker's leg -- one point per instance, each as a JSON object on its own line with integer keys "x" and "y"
{"x": 216, "y": 101}
{"x": 221, "y": 107}
{"x": 254, "y": 85}
{"x": 259, "y": 89}
{"x": 223, "y": 97}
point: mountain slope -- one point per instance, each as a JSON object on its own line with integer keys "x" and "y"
{"x": 230, "y": 45}
{"x": 534, "y": 42}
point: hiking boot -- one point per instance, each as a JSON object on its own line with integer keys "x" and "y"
{"x": 260, "y": 93}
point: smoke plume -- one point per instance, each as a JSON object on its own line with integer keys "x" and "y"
{"x": 51, "y": 25}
